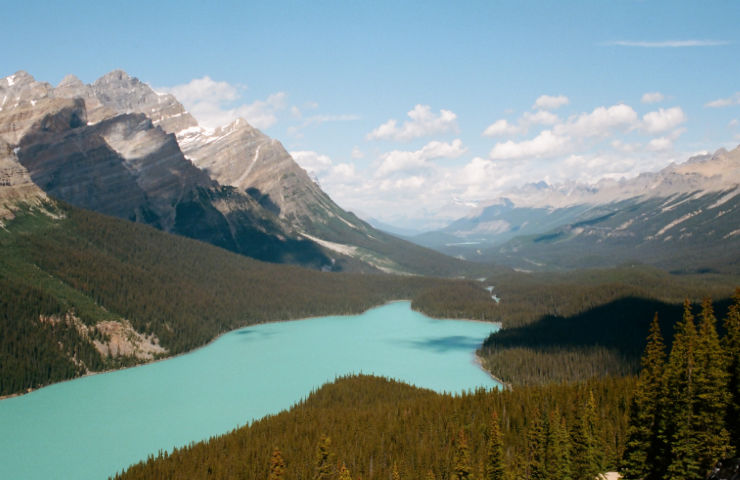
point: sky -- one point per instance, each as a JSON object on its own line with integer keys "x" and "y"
{"x": 413, "y": 113}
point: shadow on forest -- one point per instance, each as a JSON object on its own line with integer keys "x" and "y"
{"x": 622, "y": 325}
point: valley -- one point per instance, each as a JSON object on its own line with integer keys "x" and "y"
{"x": 250, "y": 302}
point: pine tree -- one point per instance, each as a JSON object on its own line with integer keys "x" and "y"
{"x": 323, "y": 459}
{"x": 583, "y": 447}
{"x": 731, "y": 345}
{"x": 344, "y": 473}
{"x": 681, "y": 460}
{"x": 537, "y": 447}
{"x": 643, "y": 447}
{"x": 494, "y": 467}
{"x": 594, "y": 425}
{"x": 712, "y": 396}
{"x": 558, "y": 448}
{"x": 277, "y": 466}
{"x": 462, "y": 469}
{"x": 395, "y": 475}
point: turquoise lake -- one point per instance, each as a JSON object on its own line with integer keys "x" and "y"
{"x": 92, "y": 427}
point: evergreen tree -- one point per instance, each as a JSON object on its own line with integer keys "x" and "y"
{"x": 395, "y": 475}
{"x": 323, "y": 459}
{"x": 583, "y": 447}
{"x": 537, "y": 447}
{"x": 558, "y": 448}
{"x": 595, "y": 431}
{"x": 344, "y": 473}
{"x": 462, "y": 469}
{"x": 677, "y": 429}
{"x": 277, "y": 466}
{"x": 731, "y": 345}
{"x": 712, "y": 396}
{"x": 643, "y": 447}
{"x": 494, "y": 467}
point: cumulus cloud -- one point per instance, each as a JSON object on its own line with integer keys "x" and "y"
{"x": 546, "y": 144}
{"x": 663, "y": 120}
{"x": 422, "y": 122}
{"x": 724, "y": 102}
{"x": 312, "y": 162}
{"x": 549, "y": 102}
{"x": 540, "y": 117}
{"x": 402, "y": 160}
{"x": 652, "y": 97}
{"x": 600, "y": 122}
{"x": 501, "y": 128}
{"x": 215, "y": 104}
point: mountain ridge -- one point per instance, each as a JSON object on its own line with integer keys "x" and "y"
{"x": 146, "y": 159}
{"x": 665, "y": 218}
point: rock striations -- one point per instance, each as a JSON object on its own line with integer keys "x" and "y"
{"x": 684, "y": 217}
{"x": 118, "y": 147}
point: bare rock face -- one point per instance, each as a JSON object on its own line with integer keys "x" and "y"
{"x": 243, "y": 157}
{"x": 124, "y": 94}
{"x": 16, "y": 187}
{"x": 123, "y": 163}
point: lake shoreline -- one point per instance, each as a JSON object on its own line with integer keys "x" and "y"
{"x": 217, "y": 337}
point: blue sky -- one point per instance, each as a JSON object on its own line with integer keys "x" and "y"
{"x": 409, "y": 111}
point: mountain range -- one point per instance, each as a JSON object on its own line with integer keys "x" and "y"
{"x": 683, "y": 218}
{"x": 120, "y": 148}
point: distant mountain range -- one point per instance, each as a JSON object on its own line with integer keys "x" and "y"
{"x": 119, "y": 148}
{"x": 684, "y": 218}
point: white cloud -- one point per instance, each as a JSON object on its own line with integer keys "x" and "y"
{"x": 663, "y": 120}
{"x": 652, "y": 97}
{"x": 540, "y": 117}
{"x": 546, "y": 144}
{"x": 660, "y": 144}
{"x": 357, "y": 153}
{"x": 667, "y": 43}
{"x": 401, "y": 160}
{"x": 423, "y": 122}
{"x": 205, "y": 90}
{"x": 548, "y": 102}
{"x": 733, "y": 123}
{"x": 724, "y": 102}
{"x": 215, "y": 104}
{"x": 501, "y": 128}
{"x": 600, "y": 122}
{"x": 312, "y": 162}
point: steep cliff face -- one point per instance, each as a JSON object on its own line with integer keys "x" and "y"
{"x": 82, "y": 144}
{"x": 243, "y": 157}
{"x": 16, "y": 187}
{"x": 118, "y": 147}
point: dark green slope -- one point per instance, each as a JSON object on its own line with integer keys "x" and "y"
{"x": 377, "y": 426}
{"x": 182, "y": 291}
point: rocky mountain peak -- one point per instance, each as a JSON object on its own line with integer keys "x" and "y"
{"x": 125, "y": 94}
{"x": 18, "y": 79}
{"x": 71, "y": 81}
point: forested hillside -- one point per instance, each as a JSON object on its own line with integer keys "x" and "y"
{"x": 674, "y": 421}
{"x": 67, "y": 272}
